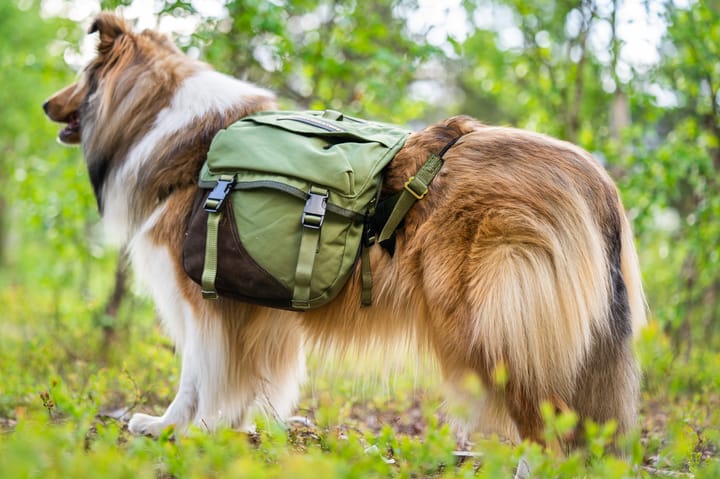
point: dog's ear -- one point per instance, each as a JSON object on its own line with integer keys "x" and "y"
{"x": 110, "y": 27}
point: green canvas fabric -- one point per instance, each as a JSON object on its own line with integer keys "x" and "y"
{"x": 276, "y": 159}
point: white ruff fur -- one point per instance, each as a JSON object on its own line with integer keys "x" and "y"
{"x": 206, "y": 91}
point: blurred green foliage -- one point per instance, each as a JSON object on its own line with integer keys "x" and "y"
{"x": 66, "y": 368}
{"x": 675, "y": 168}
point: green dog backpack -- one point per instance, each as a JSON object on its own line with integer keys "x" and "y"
{"x": 284, "y": 200}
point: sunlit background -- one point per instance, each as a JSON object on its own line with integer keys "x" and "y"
{"x": 635, "y": 82}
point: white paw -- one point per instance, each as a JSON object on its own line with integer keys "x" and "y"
{"x": 146, "y": 425}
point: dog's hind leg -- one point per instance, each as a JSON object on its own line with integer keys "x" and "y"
{"x": 609, "y": 381}
{"x": 476, "y": 408}
{"x": 608, "y": 388}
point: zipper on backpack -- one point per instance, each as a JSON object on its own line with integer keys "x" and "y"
{"x": 316, "y": 123}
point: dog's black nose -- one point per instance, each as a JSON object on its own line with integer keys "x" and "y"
{"x": 45, "y": 107}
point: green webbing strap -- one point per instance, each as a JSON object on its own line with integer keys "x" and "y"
{"x": 415, "y": 189}
{"x": 366, "y": 296}
{"x": 210, "y": 267}
{"x": 213, "y": 203}
{"x": 368, "y": 240}
{"x": 312, "y": 220}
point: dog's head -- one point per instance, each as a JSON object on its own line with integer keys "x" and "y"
{"x": 118, "y": 95}
{"x": 128, "y": 105}
{"x": 115, "y": 81}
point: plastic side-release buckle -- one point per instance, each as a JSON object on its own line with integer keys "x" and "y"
{"x": 219, "y": 193}
{"x": 315, "y": 206}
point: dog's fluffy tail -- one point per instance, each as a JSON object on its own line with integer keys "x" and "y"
{"x": 539, "y": 298}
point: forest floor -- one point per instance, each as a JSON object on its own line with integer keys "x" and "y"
{"x": 69, "y": 383}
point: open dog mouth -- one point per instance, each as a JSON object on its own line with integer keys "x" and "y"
{"x": 71, "y": 133}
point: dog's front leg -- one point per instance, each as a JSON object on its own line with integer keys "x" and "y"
{"x": 181, "y": 411}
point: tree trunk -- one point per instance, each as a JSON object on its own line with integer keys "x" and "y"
{"x": 112, "y": 306}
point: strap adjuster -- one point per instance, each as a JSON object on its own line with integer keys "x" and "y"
{"x": 315, "y": 206}
{"x": 209, "y": 294}
{"x": 416, "y": 187}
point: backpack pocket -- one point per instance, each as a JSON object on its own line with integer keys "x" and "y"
{"x": 238, "y": 274}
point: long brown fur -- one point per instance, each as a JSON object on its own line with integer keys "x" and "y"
{"x": 519, "y": 259}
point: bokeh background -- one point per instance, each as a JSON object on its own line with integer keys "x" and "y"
{"x": 637, "y": 83}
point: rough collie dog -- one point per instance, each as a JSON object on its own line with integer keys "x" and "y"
{"x": 519, "y": 258}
